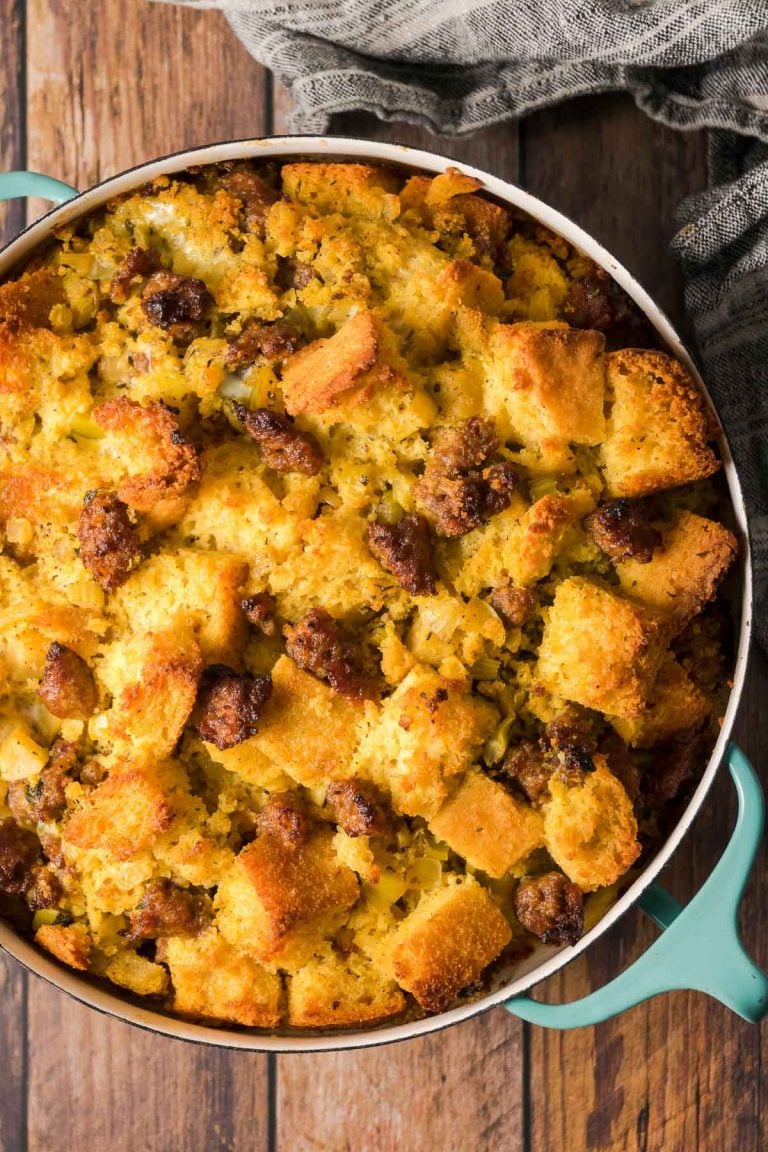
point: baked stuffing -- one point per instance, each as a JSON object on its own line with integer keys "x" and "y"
{"x": 358, "y": 591}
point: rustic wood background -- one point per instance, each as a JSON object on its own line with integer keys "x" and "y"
{"x": 87, "y": 89}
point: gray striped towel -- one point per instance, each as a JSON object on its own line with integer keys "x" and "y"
{"x": 457, "y": 65}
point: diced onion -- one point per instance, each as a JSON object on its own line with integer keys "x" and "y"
{"x": 387, "y": 892}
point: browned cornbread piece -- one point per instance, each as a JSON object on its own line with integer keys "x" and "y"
{"x": 548, "y": 381}
{"x": 129, "y": 810}
{"x": 685, "y": 571}
{"x": 351, "y": 189}
{"x": 658, "y": 430}
{"x": 317, "y": 376}
{"x": 429, "y": 730}
{"x": 674, "y": 705}
{"x": 599, "y": 649}
{"x": 460, "y": 212}
{"x": 69, "y": 943}
{"x": 306, "y": 728}
{"x": 276, "y": 893}
{"x": 153, "y": 681}
{"x": 465, "y": 283}
{"x": 590, "y": 829}
{"x": 492, "y": 830}
{"x": 541, "y": 533}
{"x": 446, "y": 943}
{"x": 213, "y": 981}
{"x": 333, "y": 992}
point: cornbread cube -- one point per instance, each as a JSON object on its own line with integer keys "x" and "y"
{"x": 204, "y": 590}
{"x": 137, "y": 974}
{"x": 492, "y": 830}
{"x": 153, "y": 681}
{"x": 316, "y": 376}
{"x": 675, "y": 705}
{"x": 277, "y": 896}
{"x": 69, "y": 943}
{"x": 215, "y": 982}
{"x": 546, "y": 383}
{"x": 685, "y": 571}
{"x": 448, "y": 204}
{"x": 538, "y": 286}
{"x": 26, "y": 303}
{"x": 130, "y": 810}
{"x": 352, "y": 189}
{"x": 658, "y": 430}
{"x": 590, "y": 829}
{"x": 541, "y": 534}
{"x": 599, "y": 649}
{"x": 429, "y": 730}
{"x": 331, "y": 992}
{"x": 465, "y": 283}
{"x": 307, "y": 729}
{"x": 446, "y": 943}
{"x": 252, "y": 765}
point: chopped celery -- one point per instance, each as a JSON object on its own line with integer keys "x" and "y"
{"x": 44, "y": 916}
{"x": 496, "y": 746}
{"x": 86, "y": 428}
{"x": 486, "y": 668}
{"x": 427, "y": 872}
{"x": 387, "y": 892}
{"x": 543, "y": 485}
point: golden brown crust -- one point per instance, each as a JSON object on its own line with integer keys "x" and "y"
{"x": 685, "y": 571}
{"x": 27, "y": 303}
{"x": 127, "y": 812}
{"x": 675, "y": 705}
{"x": 212, "y": 981}
{"x": 71, "y": 944}
{"x": 658, "y": 430}
{"x": 492, "y": 830}
{"x": 316, "y": 378}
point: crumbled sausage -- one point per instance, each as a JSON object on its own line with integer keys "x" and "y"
{"x": 597, "y": 302}
{"x": 357, "y": 808}
{"x": 293, "y": 273}
{"x": 263, "y": 342}
{"x": 255, "y": 195}
{"x": 45, "y": 891}
{"x": 515, "y": 605}
{"x": 261, "y": 611}
{"x": 316, "y": 644}
{"x": 573, "y": 763}
{"x": 45, "y": 800}
{"x": 19, "y": 851}
{"x": 550, "y": 907}
{"x": 166, "y": 910}
{"x": 623, "y": 531}
{"x": 109, "y": 545}
{"x": 137, "y": 266}
{"x": 529, "y": 767}
{"x": 622, "y": 762}
{"x": 52, "y": 849}
{"x": 67, "y": 687}
{"x": 404, "y": 550}
{"x": 230, "y": 705}
{"x": 283, "y": 446}
{"x": 455, "y": 491}
{"x": 174, "y": 302}
{"x": 283, "y": 816}
{"x": 570, "y": 740}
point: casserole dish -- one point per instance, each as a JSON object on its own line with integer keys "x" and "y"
{"x": 727, "y": 973}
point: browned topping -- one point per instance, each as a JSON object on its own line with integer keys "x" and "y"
{"x": 551, "y": 907}
{"x": 263, "y": 342}
{"x": 19, "y": 851}
{"x": 230, "y": 705}
{"x": 599, "y": 303}
{"x": 137, "y": 266}
{"x": 45, "y": 800}
{"x": 623, "y": 531}
{"x": 109, "y": 546}
{"x": 255, "y": 195}
{"x": 515, "y": 605}
{"x": 165, "y": 910}
{"x": 283, "y": 815}
{"x": 261, "y": 610}
{"x": 174, "y": 302}
{"x": 404, "y": 550}
{"x": 284, "y": 447}
{"x": 457, "y": 493}
{"x": 67, "y": 687}
{"x": 529, "y": 767}
{"x": 317, "y": 645}
{"x": 52, "y": 849}
{"x": 358, "y": 809}
{"x": 45, "y": 891}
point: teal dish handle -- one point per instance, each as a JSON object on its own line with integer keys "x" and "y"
{"x": 15, "y": 184}
{"x": 700, "y": 947}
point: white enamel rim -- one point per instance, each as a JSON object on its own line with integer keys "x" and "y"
{"x": 544, "y": 961}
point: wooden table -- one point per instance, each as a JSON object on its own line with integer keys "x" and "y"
{"x": 87, "y": 89}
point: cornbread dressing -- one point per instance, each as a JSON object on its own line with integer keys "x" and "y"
{"x": 358, "y": 592}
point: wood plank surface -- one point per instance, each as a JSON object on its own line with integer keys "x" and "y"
{"x": 125, "y": 82}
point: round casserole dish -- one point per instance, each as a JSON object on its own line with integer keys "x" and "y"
{"x": 700, "y": 948}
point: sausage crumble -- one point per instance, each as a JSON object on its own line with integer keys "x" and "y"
{"x": 550, "y": 907}
{"x": 283, "y": 446}
{"x": 175, "y": 302}
{"x": 623, "y": 531}
{"x": 167, "y": 910}
{"x": 230, "y": 705}
{"x": 67, "y": 687}
{"x": 403, "y": 549}
{"x": 316, "y": 644}
{"x": 357, "y": 808}
{"x": 109, "y": 544}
